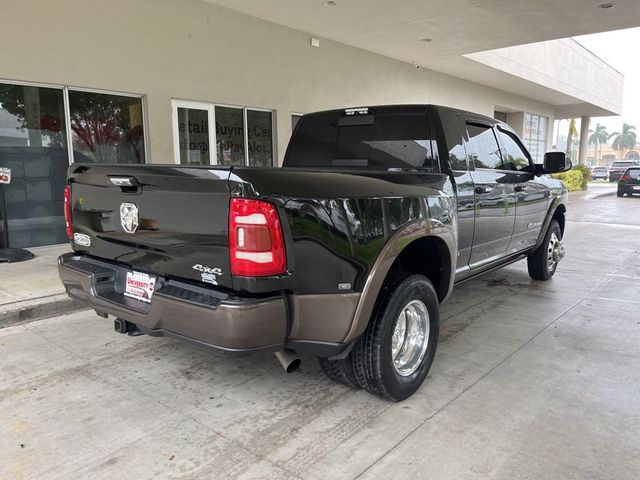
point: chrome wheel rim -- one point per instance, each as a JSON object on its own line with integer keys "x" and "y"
{"x": 410, "y": 338}
{"x": 555, "y": 251}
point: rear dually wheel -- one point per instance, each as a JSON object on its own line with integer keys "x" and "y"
{"x": 393, "y": 356}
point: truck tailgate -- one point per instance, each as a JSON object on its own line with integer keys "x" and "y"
{"x": 182, "y": 218}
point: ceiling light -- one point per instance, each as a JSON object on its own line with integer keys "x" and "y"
{"x": 426, "y": 40}
{"x": 329, "y": 4}
{"x": 605, "y": 6}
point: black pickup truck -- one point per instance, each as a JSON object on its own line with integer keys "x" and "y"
{"x": 345, "y": 253}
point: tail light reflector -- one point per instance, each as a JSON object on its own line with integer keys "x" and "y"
{"x": 67, "y": 210}
{"x": 256, "y": 241}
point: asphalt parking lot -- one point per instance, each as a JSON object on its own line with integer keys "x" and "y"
{"x": 531, "y": 380}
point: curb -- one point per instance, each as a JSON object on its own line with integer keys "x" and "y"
{"x": 601, "y": 194}
{"x": 25, "y": 311}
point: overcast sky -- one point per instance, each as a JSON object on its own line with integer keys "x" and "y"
{"x": 620, "y": 50}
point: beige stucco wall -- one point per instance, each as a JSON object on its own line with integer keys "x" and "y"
{"x": 192, "y": 50}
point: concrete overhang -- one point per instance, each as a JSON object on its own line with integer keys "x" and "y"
{"x": 562, "y": 73}
{"x": 512, "y": 45}
{"x": 454, "y": 27}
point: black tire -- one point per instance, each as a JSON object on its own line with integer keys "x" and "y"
{"x": 537, "y": 260}
{"x": 620, "y": 193}
{"x": 340, "y": 371}
{"x": 372, "y": 355}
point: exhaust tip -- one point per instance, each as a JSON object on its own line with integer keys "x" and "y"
{"x": 289, "y": 360}
{"x": 293, "y": 366}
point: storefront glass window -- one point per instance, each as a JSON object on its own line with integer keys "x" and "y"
{"x": 260, "y": 138}
{"x": 535, "y": 136}
{"x": 33, "y": 145}
{"x": 193, "y": 136}
{"x": 106, "y": 128}
{"x": 229, "y": 135}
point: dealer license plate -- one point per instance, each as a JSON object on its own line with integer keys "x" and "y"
{"x": 140, "y": 286}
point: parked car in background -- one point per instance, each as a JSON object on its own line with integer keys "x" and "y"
{"x": 618, "y": 167}
{"x": 599, "y": 173}
{"x": 629, "y": 182}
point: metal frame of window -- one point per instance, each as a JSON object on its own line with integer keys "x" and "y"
{"x": 211, "y": 107}
{"x": 67, "y": 113}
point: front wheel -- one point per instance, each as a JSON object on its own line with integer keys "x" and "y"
{"x": 393, "y": 356}
{"x": 543, "y": 261}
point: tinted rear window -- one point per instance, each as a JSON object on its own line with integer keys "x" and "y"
{"x": 377, "y": 142}
{"x": 633, "y": 172}
{"x": 622, "y": 164}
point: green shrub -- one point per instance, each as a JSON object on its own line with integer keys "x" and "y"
{"x": 575, "y": 179}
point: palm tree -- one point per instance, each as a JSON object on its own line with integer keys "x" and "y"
{"x": 625, "y": 139}
{"x": 573, "y": 131}
{"x": 598, "y": 136}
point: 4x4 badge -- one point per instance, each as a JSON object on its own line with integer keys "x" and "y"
{"x": 129, "y": 217}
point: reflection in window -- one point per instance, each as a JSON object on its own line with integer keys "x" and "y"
{"x": 514, "y": 157}
{"x": 453, "y": 139}
{"x": 367, "y": 141}
{"x": 260, "y": 138}
{"x": 229, "y": 135}
{"x": 483, "y": 147}
{"x": 535, "y": 135}
{"x": 31, "y": 116}
{"x": 193, "y": 136}
{"x": 458, "y": 157}
{"x": 33, "y": 145}
{"x": 106, "y": 128}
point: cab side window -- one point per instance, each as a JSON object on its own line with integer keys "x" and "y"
{"x": 514, "y": 155}
{"x": 483, "y": 149}
{"x": 453, "y": 146}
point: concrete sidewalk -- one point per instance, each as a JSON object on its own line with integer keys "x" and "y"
{"x": 32, "y": 290}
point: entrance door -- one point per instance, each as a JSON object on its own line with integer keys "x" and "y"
{"x": 193, "y": 133}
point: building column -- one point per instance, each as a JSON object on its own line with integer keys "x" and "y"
{"x": 584, "y": 137}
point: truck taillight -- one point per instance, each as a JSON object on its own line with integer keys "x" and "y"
{"x": 256, "y": 242}
{"x": 67, "y": 210}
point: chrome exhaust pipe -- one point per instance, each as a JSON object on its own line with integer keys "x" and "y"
{"x": 288, "y": 359}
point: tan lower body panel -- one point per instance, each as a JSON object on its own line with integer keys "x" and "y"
{"x": 322, "y": 317}
{"x": 246, "y": 326}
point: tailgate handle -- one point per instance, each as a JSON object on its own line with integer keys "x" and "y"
{"x": 126, "y": 184}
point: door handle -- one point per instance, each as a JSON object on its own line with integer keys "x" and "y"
{"x": 481, "y": 190}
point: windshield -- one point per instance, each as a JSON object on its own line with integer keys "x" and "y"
{"x": 633, "y": 173}
{"x": 374, "y": 142}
